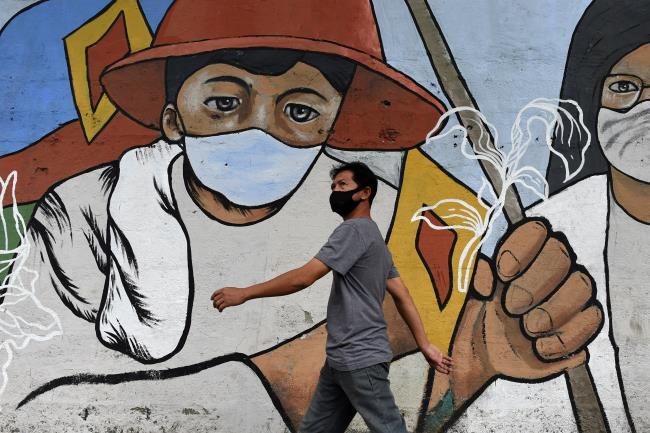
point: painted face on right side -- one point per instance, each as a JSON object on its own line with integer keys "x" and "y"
{"x": 628, "y": 82}
{"x": 624, "y": 115}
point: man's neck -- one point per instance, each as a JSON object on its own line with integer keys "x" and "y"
{"x": 359, "y": 212}
{"x": 632, "y": 195}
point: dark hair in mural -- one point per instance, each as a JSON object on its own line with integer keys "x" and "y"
{"x": 268, "y": 61}
{"x": 608, "y": 30}
{"x": 361, "y": 173}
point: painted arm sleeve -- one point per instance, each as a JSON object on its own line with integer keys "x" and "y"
{"x": 67, "y": 241}
{"x": 144, "y": 312}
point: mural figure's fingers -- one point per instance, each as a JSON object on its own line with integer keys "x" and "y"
{"x": 542, "y": 277}
{"x": 568, "y": 362}
{"x": 483, "y": 280}
{"x": 573, "y": 336}
{"x": 520, "y": 248}
{"x": 565, "y": 303}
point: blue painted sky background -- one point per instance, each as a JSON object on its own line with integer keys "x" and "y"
{"x": 34, "y": 85}
{"x": 509, "y": 52}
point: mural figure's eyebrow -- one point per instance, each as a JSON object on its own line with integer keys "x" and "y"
{"x": 229, "y": 79}
{"x": 300, "y": 90}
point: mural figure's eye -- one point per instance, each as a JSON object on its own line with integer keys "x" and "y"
{"x": 300, "y": 113}
{"x": 222, "y": 103}
{"x": 623, "y": 86}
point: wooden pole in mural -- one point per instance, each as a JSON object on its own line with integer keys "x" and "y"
{"x": 590, "y": 418}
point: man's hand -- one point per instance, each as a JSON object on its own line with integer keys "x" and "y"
{"x": 437, "y": 359}
{"x": 228, "y": 297}
{"x": 284, "y": 284}
{"x": 530, "y": 315}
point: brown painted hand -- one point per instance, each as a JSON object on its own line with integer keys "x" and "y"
{"x": 531, "y": 322}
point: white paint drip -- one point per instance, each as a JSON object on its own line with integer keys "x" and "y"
{"x": 460, "y": 215}
{"x": 20, "y": 285}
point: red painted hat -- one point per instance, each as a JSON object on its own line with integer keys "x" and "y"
{"x": 382, "y": 110}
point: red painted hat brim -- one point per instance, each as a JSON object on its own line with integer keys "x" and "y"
{"x": 382, "y": 110}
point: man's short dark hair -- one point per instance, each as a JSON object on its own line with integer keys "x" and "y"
{"x": 260, "y": 61}
{"x": 361, "y": 174}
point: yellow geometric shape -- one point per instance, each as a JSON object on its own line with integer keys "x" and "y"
{"x": 424, "y": 182}
{"x": 76, "y": 45}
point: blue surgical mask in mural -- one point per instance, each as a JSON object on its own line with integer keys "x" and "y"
{"x": 250, "y": 167}
{"x": 625, "y": 139}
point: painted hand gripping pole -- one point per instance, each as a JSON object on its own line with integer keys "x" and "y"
{"x": 589, "y": 414}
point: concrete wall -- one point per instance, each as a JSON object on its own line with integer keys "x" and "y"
{"x": 114, "y": 240}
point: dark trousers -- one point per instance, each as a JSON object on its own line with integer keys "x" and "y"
{"x": 341, "y": 394}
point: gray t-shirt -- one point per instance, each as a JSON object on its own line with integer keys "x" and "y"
{"x": 361, "y": 262}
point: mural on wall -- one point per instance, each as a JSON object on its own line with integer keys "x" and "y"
{"x": 607, "y": 73}
{"x": 168, "y": 148}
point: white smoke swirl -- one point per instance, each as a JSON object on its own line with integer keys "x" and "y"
{"x": 19, "y": 287}
{"x": 458, "y": 214}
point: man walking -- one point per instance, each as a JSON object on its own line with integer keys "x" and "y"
{"x": 355, "y": 375}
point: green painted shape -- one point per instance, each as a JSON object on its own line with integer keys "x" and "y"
{"x": 26, "y": 211}
{"x": 436, "y": 419}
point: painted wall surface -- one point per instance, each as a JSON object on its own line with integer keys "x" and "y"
{"x": 154, "y": 151}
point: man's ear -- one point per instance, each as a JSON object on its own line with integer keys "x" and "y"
{"x": 365, "y": 193}
{"x": 172, "y": 127}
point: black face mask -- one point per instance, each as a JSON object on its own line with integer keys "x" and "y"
{"x": 342, "y": 202}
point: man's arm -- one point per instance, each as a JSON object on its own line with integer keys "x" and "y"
{"x": 284, "y": 284}
{"x": 408, "y": 311}
{"x": 342, "y": 250}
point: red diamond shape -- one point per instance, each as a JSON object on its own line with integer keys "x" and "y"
{"x": 113, "y": 45}
{"x": 435, "y": 248}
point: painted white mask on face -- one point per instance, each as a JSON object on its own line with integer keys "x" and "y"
{"x": 625, "y": 139}
{"x": 251, "y": 167}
